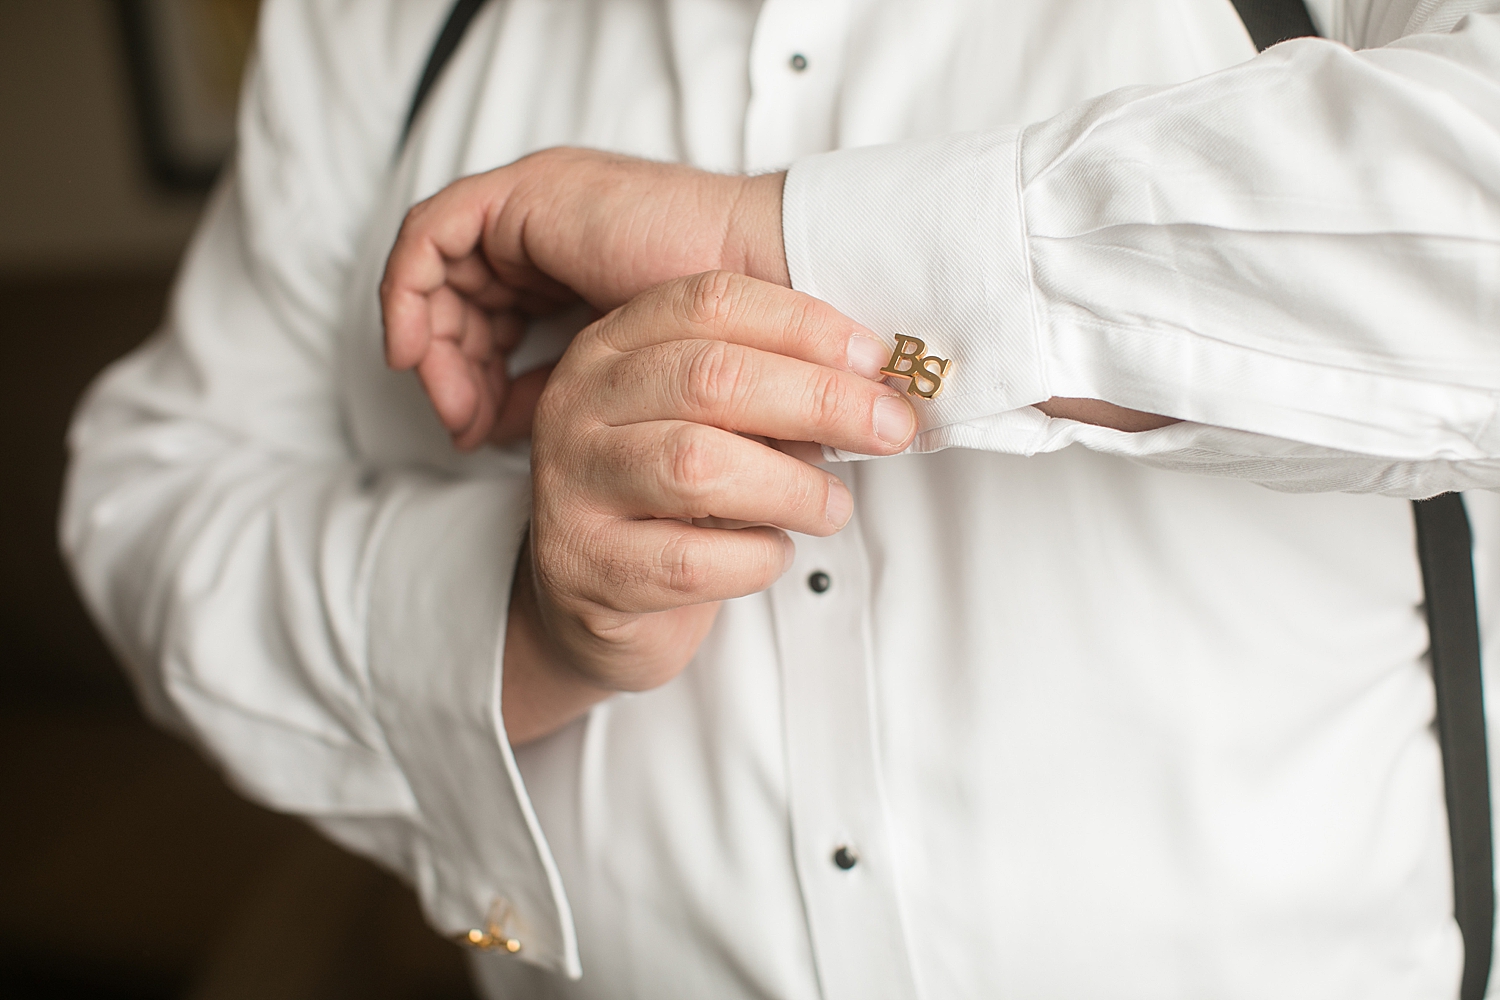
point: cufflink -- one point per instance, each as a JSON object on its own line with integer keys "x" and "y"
{"x": 499, "y": 933}
{"x": 927, "y": 373}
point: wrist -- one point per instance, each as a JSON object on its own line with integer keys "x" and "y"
{"x": 540, "y": 691}
{"x": 1102, "y": 414}
{"x": 753, "y": 243}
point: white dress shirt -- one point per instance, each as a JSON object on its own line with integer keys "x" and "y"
{"x": 1094, "y": 714}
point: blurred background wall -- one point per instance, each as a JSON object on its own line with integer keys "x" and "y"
{"x": 127, "y": 867}
{"x": 75, "y": 189}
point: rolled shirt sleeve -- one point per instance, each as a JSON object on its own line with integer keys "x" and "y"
{"x": 328, "y": 626}
{"x": 1295, "y": 256}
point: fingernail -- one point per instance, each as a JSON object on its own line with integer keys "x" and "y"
{"x": 840, "y": 503}
{"x": 867, "y": 355}
{"x": 789, "y": 549}
{"x": 894, "y": 419}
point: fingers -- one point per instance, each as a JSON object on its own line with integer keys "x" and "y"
{"x": 678, "y": 469}
{"x": 439, "y": 247}
{"x": 804, "y": 451}
{"x": 462, "y": 369}
{"x": 650, "y": 566}
{"x": 746, "y": 356}
{"x": 754, "y": 392}
{"x": 465, "y": 394}
{"x": 462, "y": 366}
{"x": 445, "y": 227}
{"x": 516, "y": 415}
{"x": 735, "y": 309}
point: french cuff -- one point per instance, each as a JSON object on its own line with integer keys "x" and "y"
{"x": 926, "y": 239}
{"x": 439, "y": 598}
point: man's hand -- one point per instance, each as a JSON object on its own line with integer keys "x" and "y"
{"x": 654, "y": 498}
{"x": 474, "y": 262}
{"x": 478, "y": 259}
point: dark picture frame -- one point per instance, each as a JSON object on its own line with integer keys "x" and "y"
{"x": 185, "y": 59}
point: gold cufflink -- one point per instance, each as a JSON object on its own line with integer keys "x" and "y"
{"x": 927, "y": 373}
{"x": 497, "y": 934}
{"x": 485, "y": 941}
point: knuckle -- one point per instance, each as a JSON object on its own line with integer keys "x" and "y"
{"x": 708, "y": 297}
{"x": 574, "y": 556}
{"x": 552, "y": 411}
{"x": 828, "y": 399}
{"x": 562, "y": 457}
{"x": 598, "y": 336}
{"x": 553, "y": 543}
{"x": 567, "y": 399}
{"x": 684, "y": 566}
{"x": 713, "y": 374}
{"x": 807, "y": 326}
{"x": 550, "y": 477}
{"x": 695, "y": 462}
{"x": 548, "y": 568}
{"x": 804, "y": 492}
{"x": 613, "y": 579}
{"x": 416, "y": 216}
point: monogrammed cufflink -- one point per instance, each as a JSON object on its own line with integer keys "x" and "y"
{"x": 927, "y": 374}
{"x": 501, "y": 930}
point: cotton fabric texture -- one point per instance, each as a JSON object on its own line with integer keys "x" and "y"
{"x": 1100, "y": 714}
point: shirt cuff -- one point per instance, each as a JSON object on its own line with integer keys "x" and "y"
{"x": 926, "y": 239}
{"x": 439, "y": 600}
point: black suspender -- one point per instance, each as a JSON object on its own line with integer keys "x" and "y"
{"x": 1444, "y": 548}
{"x": 1446, "y": 553}
{"x": 454, "y": 29}
{"x": 1272, "y": 21}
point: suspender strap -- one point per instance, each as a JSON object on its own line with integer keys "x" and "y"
{"x": 1272, "y": 21}
{"x": 442, "y": 50}
{"x": 1445, "y": 549}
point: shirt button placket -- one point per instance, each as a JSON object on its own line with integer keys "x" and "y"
{"x": 841, "y": 842}
{"x": 795, "y": 63}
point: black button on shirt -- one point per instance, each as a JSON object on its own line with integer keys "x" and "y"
{"x": 820, "y": 582}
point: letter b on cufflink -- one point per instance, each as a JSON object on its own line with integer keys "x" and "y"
{"x": 927, "y": 374}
